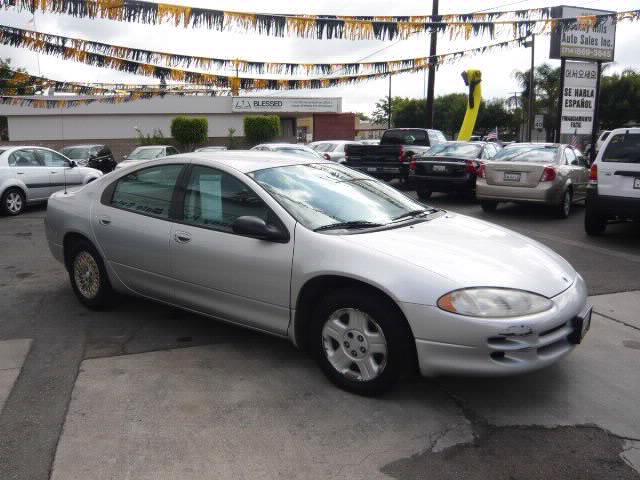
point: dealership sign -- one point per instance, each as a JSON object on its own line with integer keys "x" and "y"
{"x": 578, "y": 98}
{"x": 285, "y": 105}
{"x": 583, "y": 40}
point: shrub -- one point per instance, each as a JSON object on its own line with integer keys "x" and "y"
{"x": 190, "y": 132}
{"x": 157, "y": 138}
{"x": 262, "y": 128}
{"x": 232, "y": 144}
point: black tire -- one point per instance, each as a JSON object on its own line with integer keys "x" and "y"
{"x": 400, "y": 349}
{"x": 564, "y": 209}
{"x": 488, "y": 205}
{"x": 81, "y": 254}
{"x": 12, "y": 202}
{"x": 594, "y": 223}
{"x": 424, "y": 193}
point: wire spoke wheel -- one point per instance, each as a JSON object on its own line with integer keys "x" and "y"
{"x": 86, "y": 275}
{"x": 354, "y": 344}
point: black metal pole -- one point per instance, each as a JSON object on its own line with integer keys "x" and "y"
{"x": 431, "y": 81}
{"x": 560, "y": 96}
{"x": 596, "y": 116}
{"x": 389, "y": 104}
{"x": 532, "y": 88}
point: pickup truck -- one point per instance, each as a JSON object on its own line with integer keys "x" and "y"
{"x": 392, "y": 157}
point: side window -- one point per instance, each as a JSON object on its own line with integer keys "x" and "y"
{"x": 147, "y": 191}
{"x": 492, "y": 151}
{"x": 570, "y": 156}
{"x": 171, "y": 151}
{"x": 51, "y": 159}
{"x": 215, "y": 199}
{"x": 582, "y": 160}
{"x": 24, "y": 158}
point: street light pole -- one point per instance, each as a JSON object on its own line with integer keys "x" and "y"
{"x": 432, "y": 67}
{"x": 532, "y": 88}
{"x": 389, "y": 104}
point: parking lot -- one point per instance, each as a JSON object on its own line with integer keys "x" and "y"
{"x": 144, "y": 391}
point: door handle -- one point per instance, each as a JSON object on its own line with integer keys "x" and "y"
{"x": 182, "y": 237}
{"x": 20, "y": 173}
{"x": 104, "y": 220}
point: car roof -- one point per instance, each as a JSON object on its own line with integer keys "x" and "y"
{"x": 85, "y": 145}
{"x": 293, "y": 145}
{"x": 625, "y": 130}
{"x": 533, "y": 144}
{"x": 248, "y": 161}
{"x": 145, "y": 147}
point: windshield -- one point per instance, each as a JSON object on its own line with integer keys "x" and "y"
{"x": 145, "y": 153}
{"x": 528, "y": 153}
{"x": 464, "y": 150}
{"x": 318, "y": 195}
{"x": 77, "y": 153}
{"x": 623, "y": 148}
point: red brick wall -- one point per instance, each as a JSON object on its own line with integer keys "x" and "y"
{"x": 334, "y": 126}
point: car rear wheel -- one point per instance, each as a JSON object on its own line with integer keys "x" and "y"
{"x": 424, "y": 194}
{"x": 88, "y": 276}
{"x": 564, "y": 209}
{"x": 13, "y": 202}
{"x": 489, "y": 205}
{"x": 361, "y": 341}
{"x": 594, "y": 224}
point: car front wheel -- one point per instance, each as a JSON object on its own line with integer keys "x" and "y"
{"x": 88, "y": 276}
{"x": 361, "y": 341}
{"x": 13, "y": 202}
{"x": 564, "y": 209}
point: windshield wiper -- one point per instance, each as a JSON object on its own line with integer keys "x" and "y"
{"x": 348, "y": 225}
{"x": 415, "y": 213}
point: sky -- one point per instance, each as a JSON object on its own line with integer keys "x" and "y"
{"x": 497, "y": 67}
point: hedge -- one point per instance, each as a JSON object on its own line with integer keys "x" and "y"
{"x": 261, "y": 128}
{"x": 190, "y": 132}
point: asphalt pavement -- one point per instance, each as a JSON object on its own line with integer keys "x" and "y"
{"x": 147, "y": 391}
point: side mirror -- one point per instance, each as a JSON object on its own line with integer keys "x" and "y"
{"x": 72, "y": 164}
{"x": 257, "y": 228}
{"x": 124, "y": 157}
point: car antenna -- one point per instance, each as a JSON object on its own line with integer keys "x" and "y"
{"x": 64, "y": 174}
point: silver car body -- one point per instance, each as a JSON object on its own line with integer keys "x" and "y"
{"x": 40, "y": 171}
{"x": 162, "y": 151}
{"x": 572, "y": 172}
{"x": 289, "y": 148}
{"x": 332, "y": 149}
{"x": 259, "y": 284}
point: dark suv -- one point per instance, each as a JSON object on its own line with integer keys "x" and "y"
{"x": 94, "y": 156}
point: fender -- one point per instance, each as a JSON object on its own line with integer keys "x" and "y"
{"x": 14, "y": 182}
{"x": 472, "y": 79}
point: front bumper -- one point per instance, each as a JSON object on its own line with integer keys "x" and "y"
{"x": 549, "y": 193}
{"x": 453, "y": 344}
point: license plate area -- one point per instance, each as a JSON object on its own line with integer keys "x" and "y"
{"x": 511, "y": 176}
{"x": 439, "y": 169}
{"x": 636, "y": 183}
{"x": 581, "y": 325}
{"x": 372, "y": 169}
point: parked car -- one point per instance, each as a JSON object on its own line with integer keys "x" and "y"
{"x": 546, "y": 173}
{"x": 31, "y": 174}
{"x": 449, "y": 167}
{"x": 613, "y": 193}
{"x": 308, "y": 250}
{"x": 150, "y": 152}
{"x": 332, "y": 149}
{"x": 291, "y": 148}
{"x": 390, "y": 159}
{"x": 212, "y": 148}
{"x": 370, "y": 141}
{"x": 94, "y": 156}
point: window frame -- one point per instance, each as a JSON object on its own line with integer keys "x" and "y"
{"x": 106, "y": 198}
{"x": 181, "y": 193}
{"x": 42, "y": 151}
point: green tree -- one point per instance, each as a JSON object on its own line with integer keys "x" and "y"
{"x": 380, "y": 114}
{"x": 619, "y": 99}
{"x": 547, "y": 90}
{"x": 448, "y": 113}
{"x": 261, "y": 128}
{"x": 14, "y": 81}
{"x": 190, "y": 132}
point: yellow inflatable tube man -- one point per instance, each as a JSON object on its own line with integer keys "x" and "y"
{"x": 472, "y": 79}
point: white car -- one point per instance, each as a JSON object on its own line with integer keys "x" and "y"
{"x": 374, "y": 284}
{"x": 149, "y": 152}
{"x": 31, "y": 174}
{"x": 332, "y": 149}
{"x": 290, "y": 148}
{"x": 613, "y": 193}
{"x": 213, "y": 148}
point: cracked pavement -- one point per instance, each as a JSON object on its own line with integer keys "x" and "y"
{"x": 146, "y": 391}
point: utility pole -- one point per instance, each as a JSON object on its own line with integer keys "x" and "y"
{"x": 532, "y": 88}
{"x": 389, "y": 104}
{"x": 432, "y": 67}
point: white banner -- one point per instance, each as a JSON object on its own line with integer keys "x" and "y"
{"x": 285, "y": 105}
{"x": 584, "y": 41}
{"x": 578, "y": 98}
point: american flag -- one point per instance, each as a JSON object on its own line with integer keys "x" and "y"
{"x": 575, "y": 142}
{"x": 492, "y": 135}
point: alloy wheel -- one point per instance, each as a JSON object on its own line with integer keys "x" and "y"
{"x": 14, "y": 202}
{"x": 354, "y": 344}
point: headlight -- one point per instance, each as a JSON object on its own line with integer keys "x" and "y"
{"x": 493, "y": 302}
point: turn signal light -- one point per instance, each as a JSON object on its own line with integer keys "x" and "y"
{"x": 593, "y": 176}
{"x": 472, "y": 166}
{"x": 549, "y": 174}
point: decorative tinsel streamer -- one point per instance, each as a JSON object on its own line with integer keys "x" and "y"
{"x": 307, "y": 26}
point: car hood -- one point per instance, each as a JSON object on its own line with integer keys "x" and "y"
{"x": 474, "y": 253}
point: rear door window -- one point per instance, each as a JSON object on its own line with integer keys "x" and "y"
{"x": 24, "y": 158}
{"x": 623, "y": 148}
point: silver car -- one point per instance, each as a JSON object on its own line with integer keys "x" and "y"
{"x": 370, "y": 282}
{"x": 148, "y": 152}
{"x": 551, "y": 174}
{"x": 333, "y": 149}
{"x": 291, "y": 148}
{"x": 31, "y": 174}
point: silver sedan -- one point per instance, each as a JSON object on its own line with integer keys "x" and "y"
{"x": 372, "y": 283}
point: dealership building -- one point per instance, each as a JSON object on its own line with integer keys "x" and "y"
{"x": 302, "y": 120}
